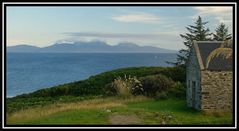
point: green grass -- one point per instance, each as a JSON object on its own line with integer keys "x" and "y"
{"x": 151, "y": 112}
{"x": 79, "y": 117}
{"x": 180, "y": 113}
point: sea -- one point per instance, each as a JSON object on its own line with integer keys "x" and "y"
{"x": 28, "y": 72}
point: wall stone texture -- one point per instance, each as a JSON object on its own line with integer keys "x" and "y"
{"x": 216, "y": 90}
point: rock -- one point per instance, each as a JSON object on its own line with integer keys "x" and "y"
{"x": 108, "y": 110}
{"x": 163, "y": 122}
{"x": 120, "y": 119}
{"x": 170, "y": 117}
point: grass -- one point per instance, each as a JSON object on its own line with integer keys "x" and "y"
{"x": 78, "y": 116}
{"x": 178, "y": 113}
{"x": 98, "y": 111}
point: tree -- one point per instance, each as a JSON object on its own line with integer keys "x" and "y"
{"x": 225, "y": 50}
{"x": 196, "y": 32}
{"x": 221, "y": 33}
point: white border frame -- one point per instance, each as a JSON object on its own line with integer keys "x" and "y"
{"x": 127, "y": 3}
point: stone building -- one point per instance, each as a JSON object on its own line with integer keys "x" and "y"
{"x": 211, "y": 88}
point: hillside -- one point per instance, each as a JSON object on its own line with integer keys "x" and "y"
{"x": 23, "y": 48}
{"x": 88, "y": 89}
{"x": 90, "y": 47}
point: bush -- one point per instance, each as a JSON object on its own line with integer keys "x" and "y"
{"x": 177, "y": 91}
{"x": 109, "y": 90}
{"x": 177, "y": 73}
{"x": 161, "y": 95}
{"x": 126, "y": 87}
{"x": 155, "y": 84}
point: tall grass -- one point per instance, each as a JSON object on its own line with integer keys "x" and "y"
{"x": 32, "y": 114}
{"x": 97, "y": 111}
{"x": 127, "y": 86}
{"x": 122, "y": 87}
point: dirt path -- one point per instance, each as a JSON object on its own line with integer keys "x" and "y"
{"x": 124, "y": 120}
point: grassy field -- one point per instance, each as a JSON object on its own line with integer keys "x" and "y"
{"x": 114, "y": 110}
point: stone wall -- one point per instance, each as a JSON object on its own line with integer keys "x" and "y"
{"x": 216, "y": 90}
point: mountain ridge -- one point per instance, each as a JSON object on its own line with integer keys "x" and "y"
{"x": 90, "y": 47}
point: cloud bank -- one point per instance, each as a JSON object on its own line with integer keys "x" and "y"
{"x": 223, "y": 14}
{"x": 164, "y": 40}
{"x": 215, "y": 10}
{"x": 110, "y": 35}
{"x": 137, "y": 17}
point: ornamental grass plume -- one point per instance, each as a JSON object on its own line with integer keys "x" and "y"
{"x": 127, "y": 86}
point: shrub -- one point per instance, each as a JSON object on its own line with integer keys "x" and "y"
{"x": 177, "y": 73}
{"x": 178, "y": 90}
{"x": 161, "y": 95}
{"x": 126, "y": 87}
{"x": 155, "y": 84}
{"x": 109, "y": 90}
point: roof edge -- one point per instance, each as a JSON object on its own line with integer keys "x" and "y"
{"x": 199, "y": 58}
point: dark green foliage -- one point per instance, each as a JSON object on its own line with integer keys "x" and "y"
{"x": 197, "y": 32}
{"x": 221, "y": 33}
{"x": 109, "y": 91}
{"x": 161, "y": 95}
{"x": 96, "y": 85}
{"x": 156, "y": 83}
{"x": 177, "y": 91}
{"x": 177, "y": 73}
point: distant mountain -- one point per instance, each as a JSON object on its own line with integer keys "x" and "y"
{"x": 90, "y": 47}
{"x": 81, "y": 47}
{"x": 23, "y": 48}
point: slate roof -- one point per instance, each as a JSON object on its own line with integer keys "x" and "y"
{"x": 203, "y": 49}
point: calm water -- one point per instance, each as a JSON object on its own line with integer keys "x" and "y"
{"x": 27, "y": 72}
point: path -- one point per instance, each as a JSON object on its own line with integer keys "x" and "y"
{"x": 124, "y": 120}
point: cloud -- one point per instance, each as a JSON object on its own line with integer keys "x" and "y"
{"x": 110, "y": 35}
{"x": 215, "y": 10}
{"x": 222, "y": 14}
{"x": 169, "y": 40}
{"x": 137, "y": 17}
{"x": 224, "y": 20}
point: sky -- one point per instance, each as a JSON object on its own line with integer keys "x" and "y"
{"x": 157, "y": 26}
